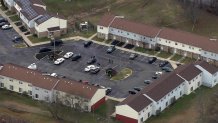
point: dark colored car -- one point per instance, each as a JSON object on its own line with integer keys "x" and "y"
{"x": 154, "y": 77}
{"x": 147, "y": 81}
{"x": 137, "y": 88}
{"x": 92, "y": 60}
{"x": 132, "y": 92}
{"x": 42, "y": 50}
{"x": 56, "y": 42}
{"x": 75, "y": 57}
{"x": 111, "y": 49}
{"x": 163, "y": 64}
{"x": 108, "y": 91}
{"x": 3, "y": 23}
{"x": 3, "y": 20}
{"x": 152, "y": 60}
{"x": 167, "y": 69}
{"x": 17, "y": 39}
{"x": 88, "y": 43}
{"x": 94, "y": 71}
{"x": 133, "y": 56}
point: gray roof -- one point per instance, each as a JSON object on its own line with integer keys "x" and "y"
{"x": 43, "y": 19}
{"x": 209, "y": 67}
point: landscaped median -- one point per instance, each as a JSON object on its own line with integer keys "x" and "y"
{"x": 123, "y": 74}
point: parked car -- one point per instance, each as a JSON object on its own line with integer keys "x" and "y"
{"x": 163, "y": 64}
{"x": 108, "y": 90}
{"x": 152, "y": 60}
{"x": 167, "y": 69}
{"x": 111, "y": 49}
{"x": 6, "y": 26}
{"x": 147, "y": 81}
{"x": 88, "y": 43}
{"x": 137, "y": 88}
{"x": 17, "y": 39}
{"x": 132, "y": 92}
{"x": 158, "y": 73}
{"x": 42, "y": 50}
{"x": 154, "y": 77}
{"x": 91, "y": 67}
{"x": 94, "y": 71}
{"x": 3, "y": 20}
{"x": 92, "y": 60}
{"x": 76, "y": 57}
{"x": 56, "y": 42}
{"x": 3, "y": 23}
{"x": 59, "y": 61}
{"x": 133, "y": 56}
{"x": 68, "y": 55}
{"x": 32, "y": 66}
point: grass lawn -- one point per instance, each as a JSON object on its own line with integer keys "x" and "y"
{"x": 124, "y": 73}
{"x": 14, "y": 18}
{"x": 188, "y": 60}
{"x": 147, "y": 51}
{"x": 98, "y": 39}
{"x": 34, "y": 39}
{"x": 8, "y": 13}
{"x": 3, "y": 8}
{"x": 176, "y": 57}
{"x": 163, "y": 54}
{"x": 67, "y": 114}
{"x": 108, "y": 41}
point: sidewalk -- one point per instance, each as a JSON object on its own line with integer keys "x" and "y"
{"x": 28, "y": 42}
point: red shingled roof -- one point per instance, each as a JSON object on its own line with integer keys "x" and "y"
{"x": 138, "y": 102}
{"x": 76, "y": 88}
{"x": 130, "y": 26}
{"x": 27, "y": 75}
{"x": 188, "y": 38}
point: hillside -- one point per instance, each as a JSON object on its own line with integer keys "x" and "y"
{"x": 167, "y": 13}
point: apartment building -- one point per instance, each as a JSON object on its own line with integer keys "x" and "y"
{"x": 51, "y": 89}
{"x": 169, "y": 40}
{"x": 36, "y": 19}
{"x": 160, "y": 94}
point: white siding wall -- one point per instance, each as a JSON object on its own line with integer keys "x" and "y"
{"x": 167, "y": 99}
{"x": 24, "y": 19}
{"x": 209, "y": 55}
{"x": 208, "y": 79}
{"x": 127, "y": 111}
{"x": 43, "y": 94}
{"x": 16, "y": 84}
{"x": 100, "y": 93}
{"x": 10, "y": 2}
{"x": 144, "y": 113}
{"x": 52, "y": 22}
{"x": 17, "y": 7}
{"x": 180, "y": 46}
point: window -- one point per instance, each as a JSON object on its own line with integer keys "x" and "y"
{"x": 205, "y": 52}
{"x": 166, "y": 104}
{"x": 20, "y": 89}
{"x": 11, "y": 87}
{"x": 30, "y": 85}
{"x": 175, "y": 43}
{"x": 1, "y": 77}
{"x": 169, "y": 42}
{"x": 30, "y": 92}
{"x": 198, "y": 83}
{"x": 36, "y": 96}
{"x": 101, "y": 27}
{"x": 20, "y": 82}
{"x": 11, "y": 80}
{"x": 183, "y": 45}
{"x": 157, "y": 102}
{"x": 134, "y": 35}
{"x": 142, "y": 119}
{"x": 2, "y": 85}
{"x": 127, "y": 33}
{"x": 191, "y": 89}
{"x": 180, "y": 93}
{"x": 37, "y": 89}
{"x": 46, "y": 91}
{"x": 149, "y": 114}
